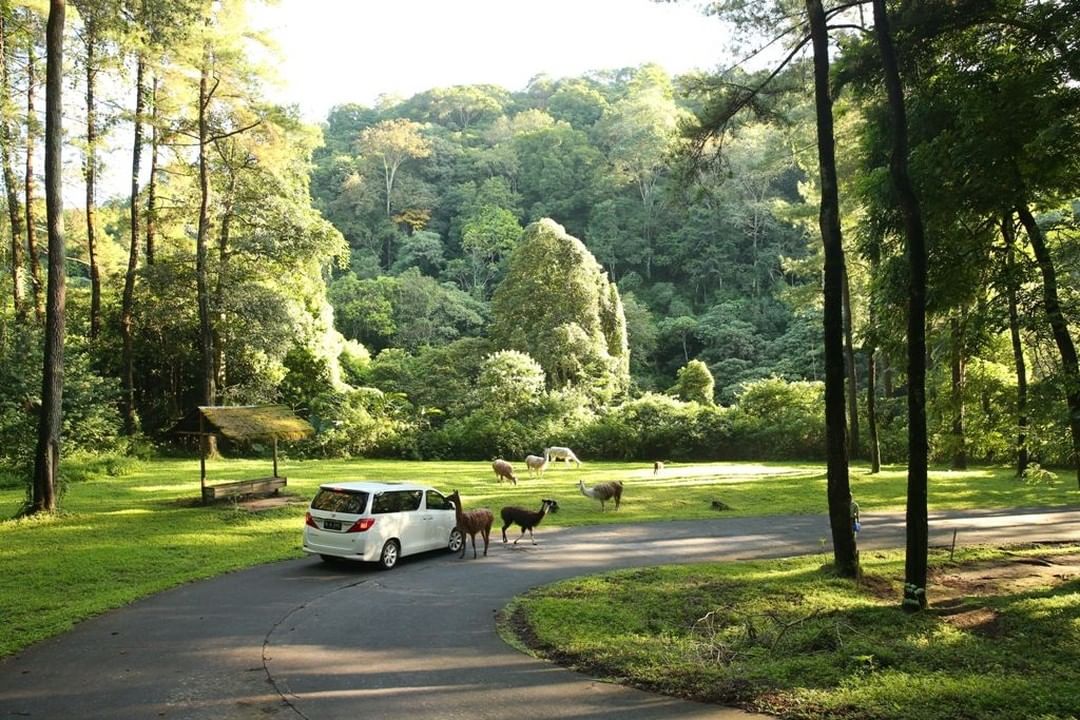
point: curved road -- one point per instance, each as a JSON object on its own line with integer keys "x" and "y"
{"x": 299, "y": 639}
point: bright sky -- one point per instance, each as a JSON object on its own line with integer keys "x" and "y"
{"x": 338, "y": 51}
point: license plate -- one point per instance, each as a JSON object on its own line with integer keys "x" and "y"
{"x": 331, "y": 524}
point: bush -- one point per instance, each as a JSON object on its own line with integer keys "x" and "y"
{"x": 777, "y": 419}
{"x": 355, "y": 421}
{"x": 86, "y": 466}
{"x": 482, "y": 435}
{"x": 659, "y": 427}
{"x": 90, "y": 418}
{"x": 694, "y": 383}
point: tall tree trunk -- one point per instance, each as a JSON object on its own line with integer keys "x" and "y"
{"x": 957, "y": 363}
{"x": 47, "y": 454}
{"x": 871, "y": 409}
{"x": 18, "y": 286}
{"x": 887, "y": 377}
{"x": 219, "y": 290}
{"x": 127, "y": 303}
{"x": 852, "y": 375}
{"x": 1011, "y": 283}
{"x": 206, "y": 336}
{"x": 917, "y": 521}
{"x": 90, "y": 172}
{"x": 871, "y": 383}
{"x": 1058, "y": 325}
{"x": 31, "y": 223}
{"x": 151, "y": 188}
{"x": 845, "y": 552}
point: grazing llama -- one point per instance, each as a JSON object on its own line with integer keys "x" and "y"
{"x": 561, "y": 453}
{"x": 502, "y": 470}
{"x": 603, "y": 492}
{"x": 472, "y": 522}
{"x": 527, "y": 519}
{"x": 536, "y": 464}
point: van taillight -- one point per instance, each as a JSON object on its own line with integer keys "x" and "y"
{"x": 310, "y": 521}
{"x": 361, "y": 525}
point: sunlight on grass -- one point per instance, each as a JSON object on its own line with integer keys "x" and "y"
{"x": 121, "y": 538}
{"x": 790, "y": 638}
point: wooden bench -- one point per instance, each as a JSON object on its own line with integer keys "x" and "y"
{"x": 258, "y": 486}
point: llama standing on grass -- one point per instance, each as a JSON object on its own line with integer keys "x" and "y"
{"x": 502, "y": 470}
{"x": 527, "y": 519}
{"x": 561, "y": 453}
{"x": 657, "y": 467}
{"x": 536, "y": 464}
{"x": 472, "y": 522}
{"x": 603, "y": 492}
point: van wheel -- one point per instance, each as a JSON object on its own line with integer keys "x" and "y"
{"x": 456, "y": 541}
{"x": 389, "y": 556}
{"x": 330, "y": 559}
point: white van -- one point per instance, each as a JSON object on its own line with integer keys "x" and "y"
{"x": 379, "y": 522}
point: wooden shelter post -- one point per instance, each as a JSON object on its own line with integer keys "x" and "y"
{"x": 275, "y": 457}
{"x": 202, "y": 458}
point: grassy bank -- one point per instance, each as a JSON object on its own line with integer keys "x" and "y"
{"x": 789, "y": 638}
{"x": 129, "y": 529}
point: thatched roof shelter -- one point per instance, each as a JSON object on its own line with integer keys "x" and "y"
{"x": 267, "y": 423}
{"x": 247, "y": 422}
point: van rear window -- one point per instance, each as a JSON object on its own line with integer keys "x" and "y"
{"x": 342, "y": 501}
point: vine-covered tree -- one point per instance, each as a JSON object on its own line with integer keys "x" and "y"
{"x": 558, "y": 306}
{"x": 695, "y": 383}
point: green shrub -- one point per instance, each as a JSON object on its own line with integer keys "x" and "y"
{"x": 90, "y": 418}
{"x": 777, "y": 419}
{"x": 353, "y": 421}
{"x": 694, "y": 383}
{"x": 658, "y": 427}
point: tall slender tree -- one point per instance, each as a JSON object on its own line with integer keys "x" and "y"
{"x": 915, "y": 567}
{"x": 845, "y": 552}
{"x": 208, "y": 396}
{"x": 1008, "y": 231}
{"x": 151, "y": 184}
{"x": 958, "y": 367}
{"x": 32, "y": 128}
{"x": 18, "y": 284}
{"x": 854, "y": 446}
{"x": 94, "y": 23}
{"x": 127, "y": 301}
{"x": 1070, "y": 366}
{"x": 47, "y": 455}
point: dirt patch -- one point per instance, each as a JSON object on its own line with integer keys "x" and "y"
{"x": 1002, "y": 577}
{"x": 878, "y": 586}
{"x": 269, "y": 503}
{"x": 981, "y": 621}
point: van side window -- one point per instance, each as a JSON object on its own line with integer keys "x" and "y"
{"x": 410, "y": 500}
{"x": 435, "y": 501}
{"x": 396, "y": 501}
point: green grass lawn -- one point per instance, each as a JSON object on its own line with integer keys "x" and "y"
{"x": 788, "y": 637}
{"x": 130, "y": 529}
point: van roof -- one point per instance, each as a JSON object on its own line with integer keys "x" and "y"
{"x": 373, "y": 487}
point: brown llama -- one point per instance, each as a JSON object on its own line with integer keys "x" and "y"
{"x": 472, "y": 522}
{"x": 603, "y": 492}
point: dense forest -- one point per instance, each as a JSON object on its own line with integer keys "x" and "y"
{"x": 624, "y": 261}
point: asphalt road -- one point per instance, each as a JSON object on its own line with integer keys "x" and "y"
{"x": 301, "y": 639}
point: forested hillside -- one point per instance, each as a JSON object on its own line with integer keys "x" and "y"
{"x": 438, "y": 187}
